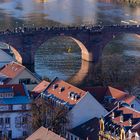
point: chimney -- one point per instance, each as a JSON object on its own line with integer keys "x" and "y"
{"x": 121, "y": 117}
{"x": 118, "y": 104}
{"x": 130, "y": 121}
{"x": 113, "y": 115}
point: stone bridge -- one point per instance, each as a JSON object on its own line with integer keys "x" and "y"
{"x": 91, "y": 40}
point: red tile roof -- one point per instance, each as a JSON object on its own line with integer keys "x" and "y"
{"x": 100, "y": 92}
{"x": 12, "y": 69}
{"x": 127, "y": 113}
{"x": 18, "y": 89}
{"x": 120, "y": 95}
{"x": 41, "y": 87}
{"x": 64, "y": 95}
{"x": 44, "y": 134}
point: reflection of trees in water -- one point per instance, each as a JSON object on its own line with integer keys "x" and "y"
{"x": 130, "y": 2}
{"x": 118, "y": 68}
{"x": 118, "y": 71}
{"x": 60, "y": 54}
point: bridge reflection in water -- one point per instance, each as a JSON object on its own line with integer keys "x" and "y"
{"x": 79, "y": 77}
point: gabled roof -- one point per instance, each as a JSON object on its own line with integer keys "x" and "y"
{"x": 17, "y": 89}
{"x": 120, "y": 95}
{"x": 101, "y": 92}
{"x": 12, "y": 69}
{"x": 121, "y": 118}
{"x": 44, "y": 134}
{"x": 89, "y": 129}
{"x": 20, "y": 94}
{"x": 62, "y": 90}
{"x": 41, "y": 87}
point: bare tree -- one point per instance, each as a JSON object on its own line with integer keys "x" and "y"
{"x": 116, "y": 71}
{"x": 44, "y": 113}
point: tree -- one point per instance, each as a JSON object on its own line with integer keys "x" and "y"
{"x": 115, "y": 70}
{"x": 44, "y": 113}
{"x": 38, "y": 113}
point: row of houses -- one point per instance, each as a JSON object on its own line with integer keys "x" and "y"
{"x": 16, "y": 82}
{"x": 94, "y": 113}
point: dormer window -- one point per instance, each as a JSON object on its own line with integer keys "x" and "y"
{"x": 55, "y": 86}
{"x": 62, "y": 89}
{"x": 69, "y": 94}
{"x": 76, "y": 97}
{"x": 72, "y": 96}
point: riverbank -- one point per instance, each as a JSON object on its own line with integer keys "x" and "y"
{"x": 131, "y": 2}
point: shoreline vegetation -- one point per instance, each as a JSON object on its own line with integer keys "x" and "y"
{"x": 131, "y": 2}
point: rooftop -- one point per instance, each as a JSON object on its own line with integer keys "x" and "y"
{"x": 122, "y": 116}
{"x": 64, "y": 91}
{"x": 41, "y": 87}
{"x": 44, "y": 134}
{"x": 11, "y": 70}
{"x": 120, "y": 95}
{"x": 14, "y": 94}
{"x": 109, "y": 96}
{"x": 89, "y": 129}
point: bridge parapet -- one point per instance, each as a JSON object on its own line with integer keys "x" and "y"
{"x": 92, "y": 29}
{"x": 27, "y": 40}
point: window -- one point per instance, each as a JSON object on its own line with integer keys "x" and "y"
{"x": 0, "y": 134}
{"x": 68, "y": 136}
{"x": 23, "y": 107}
{"x": 24, "y": 133}
{"x": 71, "y": 137}
{"x": 10, "y": 134}
{"x": 18, "y": 122}
{"x": 24, "y": 120}
{"x": 10, "y": 107}
{"x": 7, "y": 122}
{"x": 6, "y": 95}
{"x": 25, "y": 81}
{"x": 1, "y": 122}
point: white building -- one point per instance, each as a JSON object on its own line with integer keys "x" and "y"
{"x": 15, "y": 73}
{"x": 5, "y": 58}
{"x": 14, "y": 111}
{"x": 81, "y": 104}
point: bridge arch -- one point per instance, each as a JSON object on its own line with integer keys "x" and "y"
{"x": 72, "y": 61}
{"x": 12, "y": 51}
{"x": 85, "y": 54}
{"x": 121, "y": 42}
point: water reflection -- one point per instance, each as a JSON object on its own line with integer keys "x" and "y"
{"x": 56, "y": 61}
{"x": 42, "y": 13}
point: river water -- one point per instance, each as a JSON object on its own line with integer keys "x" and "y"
{"x": 60, "y": 56}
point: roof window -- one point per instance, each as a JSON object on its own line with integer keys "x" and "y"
{"x": 55, "y": 86}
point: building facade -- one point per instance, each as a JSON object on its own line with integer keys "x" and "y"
{"x": 14, "y": 111}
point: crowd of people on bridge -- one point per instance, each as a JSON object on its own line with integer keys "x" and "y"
{"x": 96, "y": 28}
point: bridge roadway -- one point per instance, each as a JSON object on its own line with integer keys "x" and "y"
{"x": 91, "y": 39}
